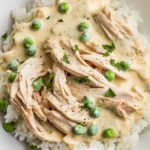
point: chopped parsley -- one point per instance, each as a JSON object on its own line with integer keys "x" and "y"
{"x": 20, "y": 61}
{"x": 109, "y": 49}
{"x": 48, "y": 79}
{"x": 81, "y": 79}
{"x": 110, "y": 93}
{"x": 32, "y": 147}
{"x": 60, "y": 20}
{"x": 122, "y": 65}
{"x": 4, "y": 36}
{"x": 75, "y": 48}
{"x": 45, "y": 81}
{"x": 65, "y": 59}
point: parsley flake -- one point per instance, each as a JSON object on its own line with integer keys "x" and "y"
{"x": 109, "y": 49}
{"x": 81, "y": 79}
{"x": 75, "y": 48}
{"x": 4, "y": 36}
{"x": 65, "y": 59}
{"x": 110, "y": 93}
{"x": 122, "y": 65}
{"x": 48, "y": 80}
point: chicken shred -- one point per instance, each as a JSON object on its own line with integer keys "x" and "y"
{"x": 75, "y": 67}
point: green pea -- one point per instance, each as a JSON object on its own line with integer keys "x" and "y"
{"x": 31, "y": 50}
{"x": 93, "y": 130}
{"x": 85, "y": 36}
{"x": 11, "y": 76}
{"x": 27, "y": 42}
{"x": 13, "y": 65}
{"x": 2, "y": 104}
{"x": 109, "y": 75}
{"x": 109, "y": 133}
{"x": 38, "y": 85}
{"x": 36, "y": 24}
{"x": 95, "y": 113}
{"x": 83, "y": 26}
{"x": 89, "y": 102}
{"x": 32, "y": 147}
{"x": 9, "y": 127}
{"x": 63, "y": 7}
{"x": 79, "y": 130}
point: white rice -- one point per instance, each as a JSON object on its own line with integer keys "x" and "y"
{"x": 126, "y": 143}
{"x": 11, "y": 115}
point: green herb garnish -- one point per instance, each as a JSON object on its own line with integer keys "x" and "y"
{"x": 110, "y": 93}
{"x": 32, "y": 147}
{"x": 4, "y": 36}
{"x": 48, "y": 79}
{"x": 65, "y": 59}
{"x": 109, "y": 49}
{"x": 20, "y": 61}
{"x": 75, "y": 48}
{"x": 81, "y": 79}
{"x": 122, "y": 65}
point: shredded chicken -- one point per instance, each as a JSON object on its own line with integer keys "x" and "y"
{"x": 95, "y": 48}
{"x": 111, "y": 25}
{"x": 71, "y": 112}
{"x": 59, "y": 121}
{"x": 81, "y": 90}
{"x": 28, "y": 72}
{"x": 22, "y": 87}
{"x": 75, "y": 67}
{"x": 123, "y": 105}
{"x": 34, "y": 125}
{"x": 103, "y": 63}
{"x": 115, "y": 27}
{"x": 61, "y": 89}
{"x": 65, "y": 102}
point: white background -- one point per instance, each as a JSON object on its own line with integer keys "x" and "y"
{"x": 7, "y": 142}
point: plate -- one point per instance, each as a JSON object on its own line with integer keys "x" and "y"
{"x": 7, "y": 141}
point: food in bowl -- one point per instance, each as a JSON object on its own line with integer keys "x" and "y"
{"x": 75, "y": 73}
